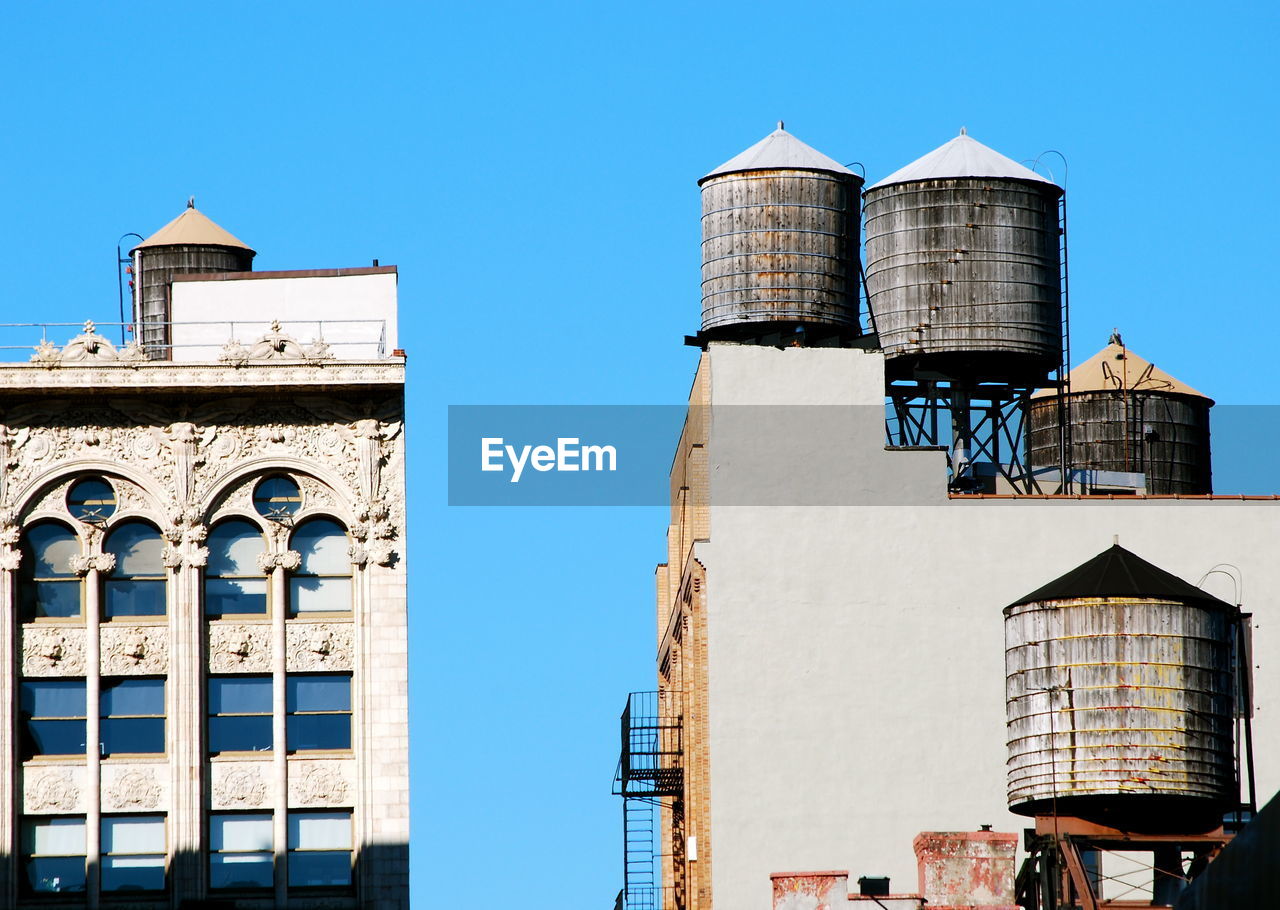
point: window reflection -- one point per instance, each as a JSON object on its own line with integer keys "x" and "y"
{"x": 322, "y": 583}
{"x": 136, "y": 587}
{"x": 234, "y": 583}
{"x": 47, "y": 586}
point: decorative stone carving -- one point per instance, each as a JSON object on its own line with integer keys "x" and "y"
{"x": 314, "y": 493}
{"x": 235, "y": 648}
{"x": 134, "y": 650}
{"x": 238, "y": 785}
{"x": 318, "y": 646}
{"x": 103, "y": 562}
{"x": 53, "y": 790}
{"x": 284, "y": 559}
{"x": 234, "y": 353}
{"x": 133, "y": 789}
{"x": 318, "y": 784}
{"x": 10, "y": 558}
{"x": 52, "y": 651}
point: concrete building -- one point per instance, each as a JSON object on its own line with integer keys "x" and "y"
{"x": 830, "y": 647}
{"x": 204, "y": 620}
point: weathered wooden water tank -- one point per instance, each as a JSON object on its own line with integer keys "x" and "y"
{"x": 1127, "y": 415}
{"x": 963, "y": 265}
{"x": 1120, "y": 698}
{"x": 188, "y": 245}
{"x": 780, "y": 230}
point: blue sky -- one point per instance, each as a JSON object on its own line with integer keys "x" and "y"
{"x": 531, "y": 169}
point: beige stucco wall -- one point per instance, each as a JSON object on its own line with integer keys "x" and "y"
{"x": 856, "y": 653}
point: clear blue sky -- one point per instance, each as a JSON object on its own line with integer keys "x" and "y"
{"x": 531, "y": 169}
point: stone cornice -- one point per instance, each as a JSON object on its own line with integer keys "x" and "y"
{"x": 200, "y": 375}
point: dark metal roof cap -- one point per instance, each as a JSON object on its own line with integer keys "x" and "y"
{"x": 1118, "y": 573}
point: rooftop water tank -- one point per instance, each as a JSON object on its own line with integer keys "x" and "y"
{"x": 1127, "y": 415}
{"x": 780, "y": 230}
{"x": 189, "y": 244}
{"x": 1120, "y": 698}
{"x": 963, "y": 266}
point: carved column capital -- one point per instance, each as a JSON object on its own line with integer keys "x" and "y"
{"x": 283, "y": 559}
{"x": 103, "y": 562}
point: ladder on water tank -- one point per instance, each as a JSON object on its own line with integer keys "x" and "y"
{"x": 1064, "y": 368}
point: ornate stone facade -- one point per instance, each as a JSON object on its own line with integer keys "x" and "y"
{"x": 239, "y": 647}
{"x": 183, "y": 446}
{"x": 319, "y": 646}
{"x": 53, "y": 790}
{"x": 131, "y": 788}
{"x": 241, "y": 785}
{"x": 134, "y": 650}
{"x": 314, "y": 784}
{"x": 52, "y": 650}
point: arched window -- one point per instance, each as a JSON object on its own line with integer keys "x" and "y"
{"x": 136, "y": 587}
{"x": 322, "y": 583}
{"x": 277, "y": 498}
{"x": 234, "y": 584}
{"x": 47, "y": 585}
{"x": 91, "y": 500}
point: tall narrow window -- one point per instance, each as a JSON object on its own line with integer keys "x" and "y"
{"x": 239, "y": 713}
{"x": 319, "y": 849}
{"x": 133, "y": 851}
{"x": 47, "y": 586}
{"x": 319, "y": 711}
{"x": 53, "y": 852}
{"x": 322, "y": 583}
{"x": 234, "y": 584}
{"x": 54, "y": 716}
{"x": 136, "y": 587}
{"x": 240, "y": 847}
{"x": 132, "y": 716}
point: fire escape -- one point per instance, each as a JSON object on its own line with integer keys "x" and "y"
{"x": 649, "y": 770}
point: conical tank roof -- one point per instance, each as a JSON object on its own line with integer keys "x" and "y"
{"x": 1116, "y": 368}
{"x": 1117, "y": 572}
{"x": 192, "y": 228}
{"x": 963, "y": 156}
{"x": 779, "y": 151}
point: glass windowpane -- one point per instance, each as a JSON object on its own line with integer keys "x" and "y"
{"x": 309, "y": 594}
{"x": 52, "y": 598}
{"x": 133, "y": 834}
{"x": 240, "y": 695}
{"x": 319, "y": 831}
{"x": 56, "y": 874}
{"x": 133, "y": 873}
{"x": 56, "y": 737}
{"x": 318, "y": 731}
{"x": 240, "y": 870}
{"x": 317, "y": 693}
{"x": 91, "y": 500}
{"x": 126, "y": 597}
{"x": 51, "y": 547}
{"x": 233, "y": 549}
{"x": 240, "y": 734}
{"x": 224, "y": 596}
{"x": 138, "y": 549}
{"x": 277, "y": 498}
{"x": 53, "y": 698}
{"x": 240, "y": 833}
{"x": 54, "y": 836}
{"x": 133, "y": 697}
{"x": 323, "y": 545}
{"x": 124, "y": 735}
{"x": 319, "y": 869}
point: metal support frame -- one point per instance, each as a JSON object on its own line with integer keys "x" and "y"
{"x": 650, "y": 769}
{"x": 985, "y": 421}
{"x": 1058, "y": 876}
